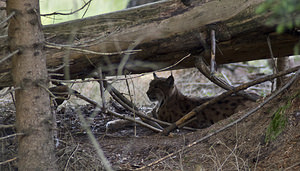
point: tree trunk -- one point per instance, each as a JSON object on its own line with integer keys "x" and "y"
{"x": 164, "y": 32}
{"x": 29, "y": 72}
{"x": 282, "y": 65}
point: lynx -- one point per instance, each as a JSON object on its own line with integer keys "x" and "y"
{"x": 172, "y": 104}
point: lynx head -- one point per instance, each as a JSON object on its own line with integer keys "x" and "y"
{"x": 160, "y": 88}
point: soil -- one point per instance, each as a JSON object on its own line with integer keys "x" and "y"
{"x": 240, "y": 147}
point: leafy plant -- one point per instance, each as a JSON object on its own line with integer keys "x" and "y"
{"x": 285, "y": 13}
{"x": 277, "y": 124}
{"x": 279, "y": 120}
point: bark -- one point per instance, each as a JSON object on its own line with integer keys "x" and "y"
{"x": 33, "y": 115}
{"x": 282, "y": 65}
{"x": 165, "y": 32}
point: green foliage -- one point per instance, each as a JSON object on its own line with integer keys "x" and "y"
{"x": 277, "y": 124}
{"x": 66, "y": 6}
{"x": 279, "y": 120}
{"x": 285, "y": 13}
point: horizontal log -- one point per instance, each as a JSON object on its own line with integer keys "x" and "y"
{"x": 162, "y": 33}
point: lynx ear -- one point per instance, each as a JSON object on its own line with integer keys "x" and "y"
{"x": 154, "y": 75}
{"x": 170, "y": 80}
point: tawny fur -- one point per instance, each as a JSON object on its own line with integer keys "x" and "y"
{"x": 172, "y": 104}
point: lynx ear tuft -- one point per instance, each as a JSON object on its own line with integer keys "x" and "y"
{"x": 170, "y": 80}
{"x": 154, "y": 75}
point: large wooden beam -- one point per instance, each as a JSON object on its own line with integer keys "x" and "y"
{"x": 164, "y": 32}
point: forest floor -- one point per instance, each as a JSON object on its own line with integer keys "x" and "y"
{"x": 248, "y": 145}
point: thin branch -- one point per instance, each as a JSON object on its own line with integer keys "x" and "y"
{"x": 77, "y": 94}
{"x": 55, "y": 74}
{"x": 131, "y": 100}
{"x": 114, "y": 79}
{"x": 8, "y": 56}
{"x": 171, "y": 66}
{"x": 8, "y": 161}
{"x": 95, "y": 143}
{"x": 12, "y": 135}
{"x": 8, "y": 17}
{"x": 111, "y": 89}
{"x": 134, "y": 120}
{"x": 90, "y": 80}
{"x": 227, "y": 126}
{"x": 274, "y": 61}
{"x": 86, "y": 10}
{"x": 70, "y": 13}
{"x": 6, "y": 126}
{"x": 101, "y": 84}
{"x": 93, "y": 52}
{"x": 290, "y": 167}
{"x": 4, "y": 36}
{"x": 126, "y": 104}
{"x": 203, "y": 68}
{"x": 10, "y": 91}
{"x": 47, "y": 89}
{"x": 71, "y": 156}
{"x": 56, "y": 69}
{"x": 213, "y": 64}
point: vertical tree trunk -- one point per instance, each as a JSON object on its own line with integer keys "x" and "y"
{"x": 282, "y": 64}
{"x": 33, "y": 117}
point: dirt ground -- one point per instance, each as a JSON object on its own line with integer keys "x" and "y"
{"x": 240, "y": 147}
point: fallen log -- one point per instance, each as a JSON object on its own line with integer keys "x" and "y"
{"x": 162, "y": 33}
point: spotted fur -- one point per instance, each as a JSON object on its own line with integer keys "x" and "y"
{"x": 172, "y": 104}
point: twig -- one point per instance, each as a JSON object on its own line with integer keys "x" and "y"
{"x": 70, "y": 13}
{"x": 227, "y": 126}
{"x": 3, "y": 36}
{"x": 47, "y": 89}
{"x": 126, "y": 57}
{"x": 77, "y": 94}
{"x": 86, "y": 10}
{"x": 6, "y": 126}
{"x": 274, "y": 63}
{"x": 225, "y": 94}
{"x": 134, "y": 120}
{"x": 12, "y": 135}
{"x": 111, "y": 89}
{"x": 8, "y": 161}
{"x": 55, "y": 74}
{"x": 203, "y": 68}
{"x": 101, "y": 84}
{"x": 213, "y": 52}
{"x": 89, "y": 80}
{"x": 10, "y": 91}
{"x": 131, "y": 101}
{"x": 8, "y": 17}
{"x": 95, "y": 143}
{"x": 272, "y": 56}
{"x": 92, "y": 52}
{"x": 176, "y": 63}
{"x": 290, "y": 167}
{"x": 257, "y": 158}
{"x": 141, "y": 115}
{"x": 73, "y": 152}
{"x": 8, "y": 56}
{"x": 56, "y": 69}
{"x": 113, "y": 79}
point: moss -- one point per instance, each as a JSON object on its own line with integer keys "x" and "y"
{"x": 279, "y": 119}
{"x": 277, "y": 124}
